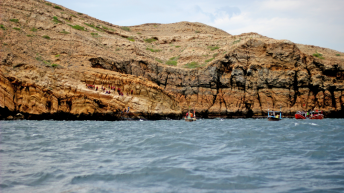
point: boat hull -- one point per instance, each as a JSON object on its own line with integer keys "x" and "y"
{"x": 274, "y": 119}
{"x": 317, "y": 117}
{"x": 190, "y": 120}
{"x": 298, "y": 116}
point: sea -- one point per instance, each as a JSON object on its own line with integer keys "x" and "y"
{"x": 208, "y": 155}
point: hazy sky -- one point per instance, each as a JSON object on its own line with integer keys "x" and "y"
{"x": 312, "y": 22}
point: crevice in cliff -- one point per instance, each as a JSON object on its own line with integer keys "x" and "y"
{"x": 296, "y": 88}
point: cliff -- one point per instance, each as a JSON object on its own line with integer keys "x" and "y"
{"x": 49, "y": 53}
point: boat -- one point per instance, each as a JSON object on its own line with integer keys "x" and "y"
{"x": 309, "y": 115}
{"x": 316, "y": 115}
{"x": 301, "y": 115}
{"x": 274, "y": 115}
{"x": 188, "y": 118}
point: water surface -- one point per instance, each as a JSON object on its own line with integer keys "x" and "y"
{"x": 238, "y": 155}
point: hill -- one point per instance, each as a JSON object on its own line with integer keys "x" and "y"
{"x": 49, "y": 53}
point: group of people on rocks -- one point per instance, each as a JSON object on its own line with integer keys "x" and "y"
{"x": 94, "y": 87}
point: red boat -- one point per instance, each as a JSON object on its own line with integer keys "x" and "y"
{"x": 316, "y": 115}
{"x": 311, "y": 115}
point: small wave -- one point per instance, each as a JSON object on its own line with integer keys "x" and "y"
{"x": 313, "y": 124}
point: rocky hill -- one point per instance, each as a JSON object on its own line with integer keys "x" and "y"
{"x": 51, "y": 54}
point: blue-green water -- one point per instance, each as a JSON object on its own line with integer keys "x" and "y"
{"x": 236, "y": 155}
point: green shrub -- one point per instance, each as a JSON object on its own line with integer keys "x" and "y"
{"x": 209, "y": 60}
{"x": 57, "y": 7}
{"x": 212, "y": 48}
{"x": 46, "y": 37}
{"x": 54, "y": 65}
{"x": 56, "y": 20}
{"x": 2, "y": 27}
{"x": 80, "y": 13}
{"x": 197, "y": 32}
{"x": 157, "y": 59}
{"x": 132, "y": 39}
{"x": 237, "y": 41}
{"x": 5, "y": 44}
{"x": 152, "y": 50}
{"x": 39, "y": 58}
{"x": 64, "y": 32}
{"x": 337, "y": 54}
{"x": 73, "y": 15}
{"x": 93, "y": 26}
{"x": 178, "y": 46}
{"x": 14, "y": 20}
{"x": 318, "y": 55}
{"x": 150, "y": 40}
{"x": 48, "y": 4}
{"x": 16, "y": 28}
{"x": 94, "y": 34}
{"x": 214, "y": 55}
{"x": 171, "y": 63}
{"x": 58, "y": 55}
{"x": 125, "y": 28}
{"x": 77, "y": 27}
{"x": 33, "y": 29}
{"x": 29, "y": 35}
{"x": 192, "y": 65}
{"x": 139, "y": 33}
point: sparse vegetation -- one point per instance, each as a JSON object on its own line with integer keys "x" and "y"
{"x": 337, "y": 54}
{"x": 132, "y": 39}
{"x": 77, "y": 27}
{"x": 214, "y": 55}
{"x": 16, "y": 28}
{"x": 48, "y": 4}
{"x": 150, "y": 40}
{"x": 318, "y": 55}
{"x": 57, "y": 7}
{"x": 39, "y": 58}
{"x": 172, "y": 61}
{"x": 192, "y": 65}
{"x": 56, "y": 20}
{"x": 209, "y": 60}
{"x": 46, "y": 37}
{"x": 80, "y": 14}
{"x": 139, "y": 33}
{"x": 212, "y": 48}
{"x": 157, "y": 59}
{"x": 58, "y": 55}
{"x": 152, "y": 50}
{"x": 237, "y": 41}
{"x": 93, "y": 26}
{"x": 5, "y": 44}
{"x": 73, "y": 16}
{"x": 197, "y": 32}
{"x": 95, "y": 35}
{"x": 14, "y": 20}
{"x": 64, "y": 32}
{"x": 54, "y": 65}
{"x": 178, "y": 46}
{"x": 33, "y": 29}
{"x": 2, "y": 27}
{"x": 29, "y": 35}
{"x": 125, "y": 28}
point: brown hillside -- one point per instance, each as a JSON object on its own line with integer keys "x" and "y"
{"x": 49, "y": 53}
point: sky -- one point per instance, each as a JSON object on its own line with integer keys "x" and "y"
{"x": 312, "y": 22}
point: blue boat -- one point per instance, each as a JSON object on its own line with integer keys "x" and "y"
{"x": 274, "y": 115}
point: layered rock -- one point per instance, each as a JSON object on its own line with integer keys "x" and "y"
{"x": 49, "y": 55}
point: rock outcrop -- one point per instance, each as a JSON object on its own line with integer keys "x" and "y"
{"x": 49, "y": 53}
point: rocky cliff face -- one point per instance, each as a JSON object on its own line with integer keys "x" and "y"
{"x": 49, "y": 53}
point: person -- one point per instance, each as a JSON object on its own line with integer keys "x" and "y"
{"x": 128, "y": 109}
{"x": 191, "y": 115}
{"x": 97, "y": 88}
